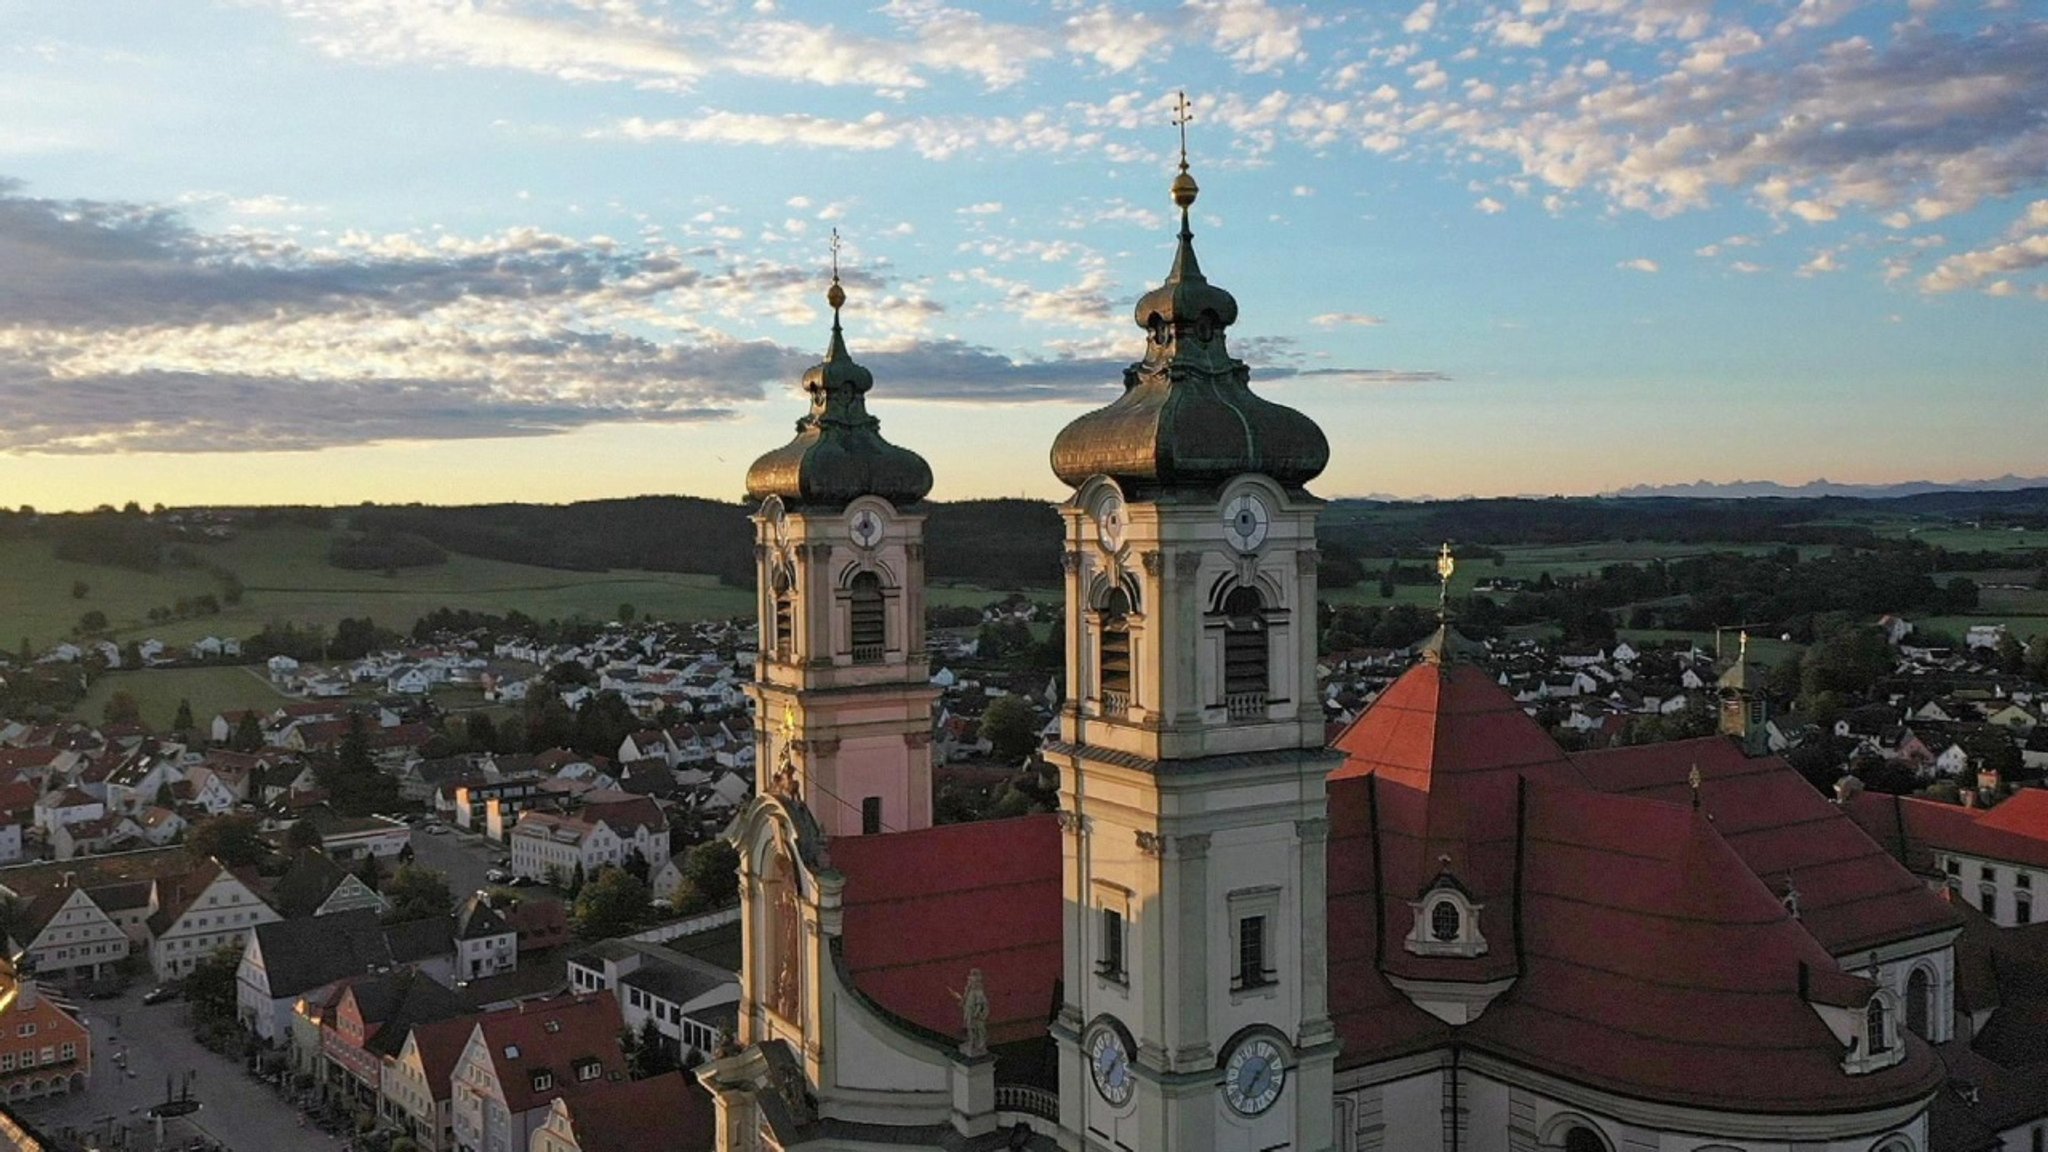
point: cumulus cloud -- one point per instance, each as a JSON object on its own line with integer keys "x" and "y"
{"x": 1640, "y": 264}
{"x": 1346, "y": 320}
{"x": 934, "y": 138}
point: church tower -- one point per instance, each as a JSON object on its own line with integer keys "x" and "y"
{"x": 1195, "y": 1012}
{"x": 842, "y": 694}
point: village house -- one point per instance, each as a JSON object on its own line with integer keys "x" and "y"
{"x": 518, "y": 1061}
{"x": 65, "y": 932}
{"x": 659, "y": 1114}
{"x": 366, "y": 1028}
{"x": 44, "y": 1050}
{"x": 485, "y": 943}
{"x": 691, "y": 1002}
{"x": 197, "y": 914}
{"x": 289, "y": 961}
{"x": 603, "y": 833}
{"x": 418, "y": 1091}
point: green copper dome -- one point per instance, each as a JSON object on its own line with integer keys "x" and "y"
{"x": 839, "y": 455}
{"x": 1188, "y": 417}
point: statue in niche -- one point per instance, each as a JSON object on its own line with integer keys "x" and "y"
{"x": 786, "y": 927}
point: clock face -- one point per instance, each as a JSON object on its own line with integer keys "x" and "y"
{"x": 1109, "y": 524}
{"x": 866, "y": 528}
{"x": 1245, "y": 521}
{"x": 1253, "y": 1077}
{"x": 1109, "y": 1065}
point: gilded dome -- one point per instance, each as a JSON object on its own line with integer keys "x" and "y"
{"x": 838, "y": 454}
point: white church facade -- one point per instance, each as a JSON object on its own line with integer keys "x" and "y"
{"x": 1441, "y": 934}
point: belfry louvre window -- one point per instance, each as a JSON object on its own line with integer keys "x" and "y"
{"x": 785, "y": 615}
{"x": 1116, "y": 651}
{"x": 1252, "y": 971}
{"x": 867, "y": 612}
{"x": 1110, "y": 961}
{"x": 1246, "y": 662}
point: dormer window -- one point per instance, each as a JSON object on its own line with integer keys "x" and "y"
{"x": 1446, "y": 922}
{"x": 543, "y": 1081}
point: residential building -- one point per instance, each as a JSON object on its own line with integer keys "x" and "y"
{"x": 519, "y": 1060}
{"x": 44, "y": 1050}
{"x": 600, "y": 833}
{"x": 367, "y": 1026}
{"x": 485, "y": 942}
{"x": 65, "y": 932}
{"x": 418, "y": 1091}
{"x": 288, "y": 961}
{"x": 666, "y": 1113}
{"x": 691, "y": 1002}
{"x": 197, "y": 914}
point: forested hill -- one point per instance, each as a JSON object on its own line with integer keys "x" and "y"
{"x": 1007, "y": 543}
{"x": 995, "y": 542}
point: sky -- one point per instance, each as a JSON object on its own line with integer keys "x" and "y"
{"x": 450, "y": 251}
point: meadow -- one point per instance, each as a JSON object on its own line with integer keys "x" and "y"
{"x": 286, "y": 577}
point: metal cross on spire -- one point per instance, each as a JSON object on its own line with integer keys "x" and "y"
{"x": 835, "y": 255}
{"x": 1182, "y": 113}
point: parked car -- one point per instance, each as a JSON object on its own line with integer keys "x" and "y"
{"x": 517, "y": 881}
{"x": 160, "y": 993}
{"x": 497, "y": 875}
{"x": 437, "y": 829}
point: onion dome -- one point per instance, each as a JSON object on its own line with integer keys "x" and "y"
{"x": 1188, "y": 417}
{"x": 839, "y": 455}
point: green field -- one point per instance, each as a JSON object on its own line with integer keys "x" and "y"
{"x": 1522, "y": 562}
{"x": 158, "y": 690}
{"x": 286, "y": 577}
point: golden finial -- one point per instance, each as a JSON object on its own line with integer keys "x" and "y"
{"x": 1692, "y": 780}
{"x": 1184, "y": 187}
{"x": 835, "y": 295}
{"x": 1446, "y": 565}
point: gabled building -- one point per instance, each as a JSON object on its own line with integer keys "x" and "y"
{"x": 197, "y": 914}
{"x": 314, "y": 885}
{"x": 65, "y": 932}
{"x": 367, "y": 1026}
{"x": 44, "y": 1050}
{"x": 286, "y": 961}
{"x": 485, "y": 943}
{"x": 518, "y": 1061}
{"x": 599, "y": 834}
{"x": 692, "y": 1003}
{"x": 666, "y": 1113}
{"x": 418, "y": 1082}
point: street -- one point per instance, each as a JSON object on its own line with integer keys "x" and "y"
{"x": 236, "y": 1110}
{"x": 462, "y": 858}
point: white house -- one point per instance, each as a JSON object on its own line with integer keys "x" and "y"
{"x": 68, "y": 931}
{"x": 196, "y": 914}
{"x": 485, "y": 945}
{"x": 688, "y": 999}
{"x": 599, "y": 834}
{"x": 67, "y": 806}
{"x": 518, "y": 1060}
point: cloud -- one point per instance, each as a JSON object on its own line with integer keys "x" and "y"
{"x": 1119, "y": 41}
{"x": 1254, "y": 33}
{"x": 1639, "y": 264}
{"x": 934, "y": 138}
{"x": 1346, "y": 319}
{"x": 1421, "y": 20}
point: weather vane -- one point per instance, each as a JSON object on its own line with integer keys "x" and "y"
{"x": 835, "y": 255}
{"x": 1182, "y": 113}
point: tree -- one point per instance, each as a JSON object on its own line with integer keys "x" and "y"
{"x": 248, "y": 734}
{"x": 183, "y": 722}
{"x": 1011, "y": 728}
{"x": 625, "y": 614}
{"x": 711, "y": 876}
{"x": 302, "y": 834}
{"x": 416, "y": 893}
{"x": 636, "y": 864}
{"x": 577, "y": 879}
{"x": 369, "y": 873}
{"x": 649, "y": 1053}
{"x": 92, "y": 623}
{"x": 234, "y": 839}
{"x": 2012, "y": 655}
{"x": 612, "y": 904}
{"x": 79, "y": 589}
{"x": 122, "y": 709}
{"x": 481, "y": 732}
{"x": 210, "y": 986}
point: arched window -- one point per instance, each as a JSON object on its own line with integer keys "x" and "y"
{"x": 785, "y": 612}
{"x": 1445, "y": 923}
{"x": 1874, "y": 1025}
{"x": 1246, "y": 672}
{"x": 1115, "y": 652}
{"x": 1583, "y": 1140}
{"x": 1919, "y": 1002}
{"x": 869, "y": 623}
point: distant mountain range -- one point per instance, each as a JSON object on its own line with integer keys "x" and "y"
{"x": 1747, "y": 489}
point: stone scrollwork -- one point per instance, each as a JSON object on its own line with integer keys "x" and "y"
{"x": 1070, "y": 560}
{"x": 1151, "y": 844}
{"x": 1153, "y": 560}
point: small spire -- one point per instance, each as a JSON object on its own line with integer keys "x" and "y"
{"x": 1446, "y": 565}
{"x": 835, "y": 295}
{"x": 1184, "y": 187}
{"x": 1692, "y": 780}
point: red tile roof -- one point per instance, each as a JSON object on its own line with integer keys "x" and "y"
{"x": 440, "y": 1045}
{"x": 1852, "y": 892}
{"x": 585, "y": 1028}
{"x": 1646, "y": 956}
{"x": 666, "y": 1113}
{"x": 1913, "y": 829}
{"x": 922, "y": 908}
